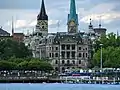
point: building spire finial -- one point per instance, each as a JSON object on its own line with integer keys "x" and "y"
{"x": 12, "y": 25}
{"x": 90, "y": 26}
{"x": 100, "y": 22}
{"x": 117, "y": 33}
{"x": 90, "y": 21}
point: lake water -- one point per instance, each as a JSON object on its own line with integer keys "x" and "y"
{"x": 58, "y": 87}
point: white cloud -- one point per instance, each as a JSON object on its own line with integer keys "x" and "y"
{"x": 33, "y": 23}
{"x": 106, "y": 17}
{"x": 52, "y": 22}
{"x": 21, "y": 23}
{"x": 102, "y": 11}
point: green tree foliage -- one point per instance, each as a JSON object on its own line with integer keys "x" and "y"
{"x": 110, "y": 50}
{"x": 25, "y": 64}
{"x": 111, "y": 57}
{"x": 10, "y": 48}
{"x": 5, "y": 65}
{"x": 108, "y": 40}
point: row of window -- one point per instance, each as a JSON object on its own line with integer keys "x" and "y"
{"x": 68, "y": 55}
{"x": 68, "y": 62}
{"x": 52, "y": 48}
{"x": 53, "y": 55}
{"x": 83, "y": 55}
{"x": 80, "y": 48}
{"x": 68, "y": 47}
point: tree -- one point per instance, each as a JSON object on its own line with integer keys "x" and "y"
{"x": 10, "y": 48}
{"x": 111, "y": 57}
{"x": 108, "y": 40}
{"x": 37, "y": 64}
{"x": 5, "y": 65}
{"x": 23, "y": 65}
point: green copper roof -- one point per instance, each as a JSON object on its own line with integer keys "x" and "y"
{"x": 73, "y": 15}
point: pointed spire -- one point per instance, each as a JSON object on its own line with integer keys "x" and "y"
{"x": 12, "y": 26}
{"x": 100, "y": 22}
{"x": 90, "y": 21}
{"x": 42, "y": 15}
{"x": 73, "y": 15}
{"x": 90, "y": 26}
{"x": 72, "y": 8}
{"x": 117, "y": 33}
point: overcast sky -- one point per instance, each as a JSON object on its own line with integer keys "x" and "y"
{"x": 26, "y": 11}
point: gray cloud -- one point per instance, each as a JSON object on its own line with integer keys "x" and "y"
{"x": 57, "y": 10}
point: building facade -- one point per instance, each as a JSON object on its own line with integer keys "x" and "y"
{"x": 66, "y": 50}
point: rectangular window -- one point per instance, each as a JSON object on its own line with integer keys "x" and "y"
{"x": 50, "y": 48}
{"x": 79, "y": 48}
{"x": 56, "y": 54}
{"x": 73, "y": 55}
{"x": 52, "y": 54}
{"x": 63, "y": 47}
{"x": 86, "y": 55}
{"x": 68, "y": 47}
{"x": 79, "y": 61}
{"x": 56, "y": 48}
{"x": 73, "y": 47}
{"x": 83, "y": 55}
{"x": 80, "y": 55}
{"x": 49, "y": 54}
{"x": 63, "y": 55}
{"x": 68, "y": 55}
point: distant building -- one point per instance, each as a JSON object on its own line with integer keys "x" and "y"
{"x": 3, "y": 32}
{"x": 18, "y": 37}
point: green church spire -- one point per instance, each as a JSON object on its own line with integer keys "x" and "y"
{"x": 72, "y": 17}
{"x": 72, "y": 8}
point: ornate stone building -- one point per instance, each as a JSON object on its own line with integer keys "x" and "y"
{"x": 66, "y": 50}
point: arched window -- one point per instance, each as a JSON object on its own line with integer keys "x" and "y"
{"x": 73, "y": 62}
{"x": 83, "y": 55}
{"x": 68, "y": 62}
{"x": 56, "y": 68}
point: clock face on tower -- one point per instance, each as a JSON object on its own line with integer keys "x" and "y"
{"x": 72, "y": 27}
{"x": 43, "y": 25}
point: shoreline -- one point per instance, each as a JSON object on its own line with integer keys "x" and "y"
{"x": 47, "y": 80}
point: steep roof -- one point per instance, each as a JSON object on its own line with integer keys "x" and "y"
{"x": 3, "y": 32}
{"x": 42, "y": 15}
{"x": 73, "y": 15}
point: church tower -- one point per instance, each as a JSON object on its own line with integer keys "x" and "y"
{"x": 72, "y": 18}
{"x": 42, "y": 21}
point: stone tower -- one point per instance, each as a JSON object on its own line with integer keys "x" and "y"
{"x": 42, "y": 21}
{"x": 72, "y": 18}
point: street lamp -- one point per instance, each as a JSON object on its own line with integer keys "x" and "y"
{"x": 101, "y": 66}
